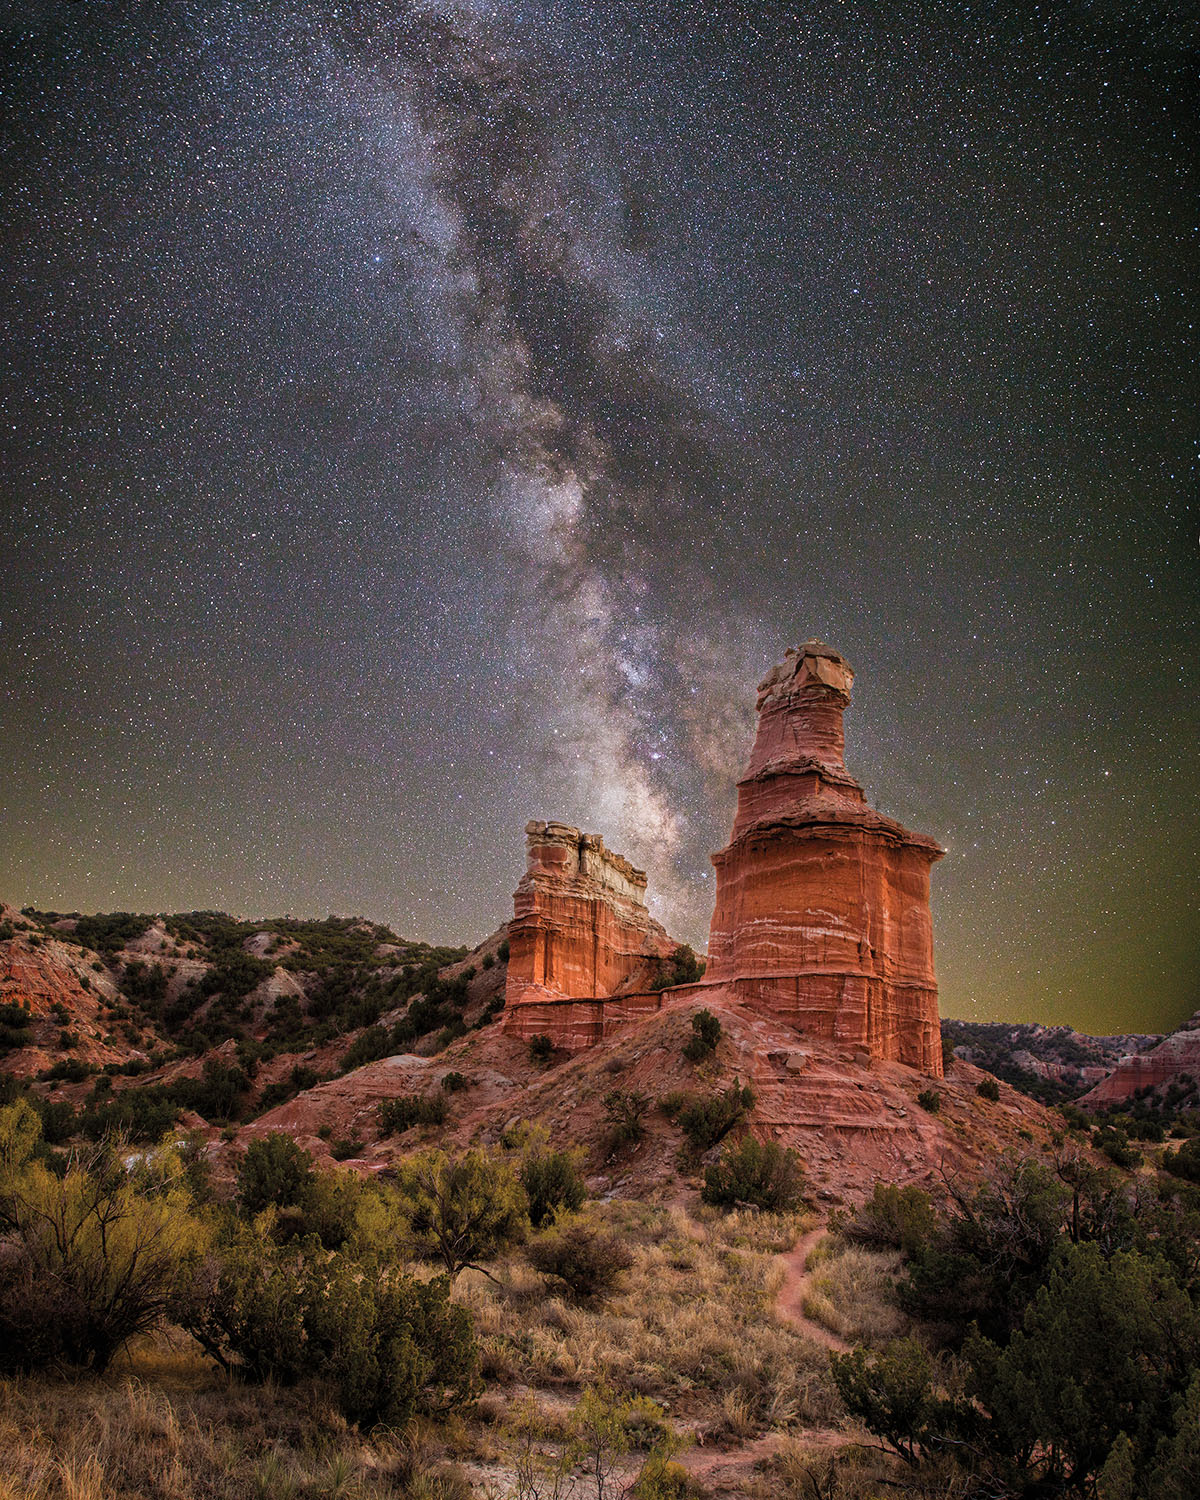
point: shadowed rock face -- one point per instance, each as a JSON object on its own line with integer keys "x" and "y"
{"x": 822, "y": 910}
{"x": 580, "y": 936}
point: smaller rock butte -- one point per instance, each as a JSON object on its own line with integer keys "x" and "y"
{"x": 822, "y": 910}
{"x": 583, "y": 948}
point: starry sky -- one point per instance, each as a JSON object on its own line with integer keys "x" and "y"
{"x": 422, "y": 417}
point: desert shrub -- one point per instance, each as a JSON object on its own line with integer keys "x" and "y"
{"x": 93, "y": 1256}
{"x": 461, "y": 1210}
{"x": 893, "y": 1218}
{"x": 684, "y": 968}
{"x": 930, "y": 1100}
{"x": 625, "y": 1113}
{"x": 541, "y": 1047}
{"x": 370, "y": 1046}
{"x": 502, "y": 952}
{"x": 347, "y": 1147}
{"x": 585, "y": 1261}
{"x": 274, "y": 1171}
{"x": 892, "y": 1394}
{"x": 489, "y": 960}
{"x": 14, "y": 1026}
{"x": 299, "y": 1080}
{"x": 1185, "y": 1162}
{"x": 762, "y": 1174}
{"x": 706, "y": 1033}
{"x": 216, "y": 1095}
{"x": 707, "y": 1119}
{"x": 139, "y": 1114}
{"x": 988, "y": 1088}
{"x": 1114, "y": 1142}
{"x": 552, "y": 1183}
{"x": 388, "y": 1345}
{"x": 453, "y": 1082}
{"x": 70, "y": 1070}
{"x": 400, "y": 1114}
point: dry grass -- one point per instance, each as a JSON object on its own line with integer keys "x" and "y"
{"x": 797, "y": 1471}
{"x": 691, "y": 1324}
{"x": 851, "y": 1293}
{"x": 190, "y": 1436}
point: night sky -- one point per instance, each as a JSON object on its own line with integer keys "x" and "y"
{"x": 422, "y": 418}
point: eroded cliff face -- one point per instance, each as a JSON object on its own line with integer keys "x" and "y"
{"x": 1176, "y": 1060}
{"x": 822, "y": 909}
{"x": 581, "y": 936}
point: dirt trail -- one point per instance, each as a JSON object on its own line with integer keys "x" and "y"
{"x": 789, "y": 1304}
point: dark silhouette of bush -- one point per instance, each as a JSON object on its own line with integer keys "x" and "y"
{"x": 587, "y": 1262}
{"x": 707, "y": 1119}
{"x": 988, "y": 1088}
{"x": 274, "y": 1171}
{"x": 552, "y": 1183}
{"x": 625, "y": 1112}
{"x": 893, "y": 1218}
{"x": 930, "y": 1100}
{"x": 453, "y": 1083}
{"x": 400, "y": 1114}
{"x": 541, "y": 1048}
{"x": 761, "y": 1174}
{"x": 684, "y": 968}
{"x": 385, "y": 1344}
{"x": 706, "y": 1033}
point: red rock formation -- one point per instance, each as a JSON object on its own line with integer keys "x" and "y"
{"x": 580, "y": 935}
{"x": 822, "y": 911}
{"x": 1177, "y": 1055}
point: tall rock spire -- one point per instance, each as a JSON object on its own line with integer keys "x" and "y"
{"x": 822, "y": 909}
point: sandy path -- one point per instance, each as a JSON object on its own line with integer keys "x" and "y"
{"x": 789, "y": 1304}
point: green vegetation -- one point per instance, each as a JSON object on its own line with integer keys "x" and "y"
{"x": 707, "y": 1118}
{"x": 461, "y": 1211}
{"x": 683, "y": 967}
{"x": 625, "y": 1112}
{"x": 754, "y": 1174}
{"x": 706, "y": 1033}
{"x": 581, "y": 1260}
{"x": 400, "y": 1114}
{"x": 551, "y": 1179}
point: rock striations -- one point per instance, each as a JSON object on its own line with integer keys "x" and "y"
{"x": 822, "y": 910}
{"x": 580, "y": 940}
{"x": 822, "y": 913}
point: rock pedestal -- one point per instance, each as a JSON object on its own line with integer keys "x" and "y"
{"x": 580, "y": 939}
{"x": 822, "y": 909}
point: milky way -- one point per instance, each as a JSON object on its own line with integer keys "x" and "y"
{"x": 422, "y": 418}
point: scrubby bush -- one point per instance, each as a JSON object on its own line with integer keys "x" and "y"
{"x": 585, "y": 1261}
{"x": 461, "y": 1211}
{"x": 400, "y": 1114}
{"x": 707, "y": 1118}
{"x": 387, "y": 1345}
{"x": 541, "y": 1047}
{"x": 893, "y": 1218}
{"x": 453, "y": 1083}
{"x": 706, "y": 1033}
{"x": 684, "y": 968}
{"x": 347, "y": 1148}
{"x": 930, "y": 1100}
{"x": 762, "y": 1174}
{"x": 1185, "y": 1162}
{"x": 552, "y": 1183}
{"x": 274, "y": 1171}
{"x": 988, "y": 1088}
{"x": 625, "y": 1113}
{"x": 94, "y": 1255}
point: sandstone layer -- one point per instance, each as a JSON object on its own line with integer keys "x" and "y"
{"x": 581, "y": 939}
{"x": 822, "y": 908}
{"x": 1176, "y": 1060}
